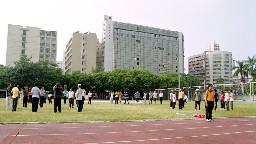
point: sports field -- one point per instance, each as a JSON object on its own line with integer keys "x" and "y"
{"x": 102, "y": 111}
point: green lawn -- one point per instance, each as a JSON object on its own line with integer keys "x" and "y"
{"x": 108, "y": 112}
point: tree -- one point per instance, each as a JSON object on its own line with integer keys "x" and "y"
{"x": 241, "y": 69}
{"x": 220, "y": 80}
{"x": 251, "y": 66}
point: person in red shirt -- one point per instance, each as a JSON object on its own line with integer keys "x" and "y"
{"x": 222, "y": 100}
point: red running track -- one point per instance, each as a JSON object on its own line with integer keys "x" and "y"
{"x": 221, "y": 131}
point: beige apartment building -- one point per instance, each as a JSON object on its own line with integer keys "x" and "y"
{"x": 80, "y": 53}
{"x": 31, "y": 41}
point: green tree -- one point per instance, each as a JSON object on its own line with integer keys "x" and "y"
{"x": 251, "y": 66}
{"x": 241, "y": 69}
{"x": 221, "y": 80}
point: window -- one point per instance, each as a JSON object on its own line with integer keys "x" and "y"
{"x": 41, "y": 56}
{"x": 53, "y": 51}
{"x": 83, "y": 57}
{"x": 47, "y": 51}
{"x": 83, "y": 63}
{"x": 84, "y": 44}
{"x": 83, "y": 69}
{"x": 23, "y": 51}
{"x": 41, "y": 50}
{"x": 138, "y": 58}
{"x": 138, "y": 63}
{"x": 24, "y": 32}
{"x": 42, "y": 44}
{"x": 23, "y": 45}
{"x": 53, "y": 39}
{"x": 24, "y": 39}
{"x": 42, "y": 38}
{"x": 53, "y": 45}
{"x": 84, "y": 38}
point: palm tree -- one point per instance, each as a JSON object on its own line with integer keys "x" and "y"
{"x": 241, "y": 69}
{"x": 251, "y": 66}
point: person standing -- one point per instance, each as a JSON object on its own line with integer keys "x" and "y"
{"x": 161, "y": 95}
{"x": 197, "y": 99}
{"x": 137, "y": 94}
{"x": 222, "y": 100}
{"x": 21, "y": 95}
{"x": 231, "y": 96}
{"x": 227, "y": 100}
{"x": 112, "y": 97}
{"x": 25, "y": 97}
{"x": 65, "y": 96}
{"x": 35, "y": 97}
{"x": 42, "y": 95}
{"x": 126, "y": 97}
{"x": 90, "y": 97}
{"x": 145, "y": 97}
{"x": 116, "y": 97}
{"x": 29, "y": 96}
{"x": 71, "y": 98}
{"x": 173, "y": 100}
{"x": 8, "y": 96}
{"x": 185, "y": 99}
{"x": 180, "y": 98}
{"x": 150, "y": 98}
{"x": 79, "y": 98}
{"x": 155, "y": 96}
{"x": 171, "y": 95}
{"x": 209, "y": 102}
{"x": 216, "y": 97}
{"x": 15, "y": 96}
{"x": 120, "y": 97}
{"x": 57, "y": 97}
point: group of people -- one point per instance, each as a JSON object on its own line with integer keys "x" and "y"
{"x": 227, "y": 100}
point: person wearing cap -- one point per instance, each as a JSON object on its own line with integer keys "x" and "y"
{"x": 180, "y": 98}
{"x": 209, "y": 102}
{"x": 197, "y": 99}
{"x": 8, "y": 96}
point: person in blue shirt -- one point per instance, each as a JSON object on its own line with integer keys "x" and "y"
{"x": 137, "y": 94}
{"x": 126, "y": 97}
{"x": 35, "y": 97}
{"x": 65, "y": 96}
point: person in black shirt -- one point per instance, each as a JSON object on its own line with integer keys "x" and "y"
{"x": 25, "y": 99}
{"x": 57, "y": 97}
{"x": 216, "y": 97}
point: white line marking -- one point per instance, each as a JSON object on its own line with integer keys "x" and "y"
{"x": 249, "y": 131}
{"x": 180, "y": 123}
{"x": 91, "y": 143}
{"x": 135, "y": 131}
{"x": 105, "y": 126}
{"x": 154, "y": 139}
{"x": 113, "y": 132}
{"x": 237, "y": 132}
{"x": 23, "y": 135}
{"x": 140, "y": 140}
{"x": 179, "y": 137}
{"x": 206, "y": 127}
{"x": 32, "y": 128}
{"x": 248, "y": 124}
{"x": 194, "y": 136}
{"x": 216, "y": 134}
{"x": 219, "y": 126}
{"x": 167, "y": 138}
{"x": 234, "y": 125}
{"x": 56, "y": 134}
{"x": 190, "y": 128}
{"x": 89, "y": 133}
{"x": 125, "y": 141}
{"x": 70, "y": 127}
{"x": 170, "y": 129}
{"x": 204, "y": 135}
{"x": 227, "y": 133}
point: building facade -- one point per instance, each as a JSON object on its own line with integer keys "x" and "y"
{"x": 131, "y": 46}
{"x": 80, "y": 53}
{"x": 212, "y": 65}
{"x": 31, "y": 41}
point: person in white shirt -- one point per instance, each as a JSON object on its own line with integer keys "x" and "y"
{"x": 79, "y": 98}
{"x": 231, "y": 96}
{"x": 161, "y": 95}
{"x": 173, "y": 100}
{"x": 71, "y": 98}
{"x": 111, "y": 97}
{"x": 35, "y": 97}
{"x": 227, "y": 100}
{"x": 90, "y": 97}
{"x": 145, "y": 97}
{"x": 155, "y": 96}
{"x": 21, "y": 95}
{"x": 171, "y": 95}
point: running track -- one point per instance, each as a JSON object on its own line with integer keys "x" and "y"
{"x": 221, "y": 131}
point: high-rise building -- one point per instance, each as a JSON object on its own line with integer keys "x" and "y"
{"x": 98, "y": 55}
{"x": 31, "y": 41}
{"x": 212, "y": 65}
{"x": 80, "y": 52}
{"x": 131, "y": 46}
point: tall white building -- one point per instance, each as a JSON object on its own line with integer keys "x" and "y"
{"x": 31, "y": 41}
{"x": 132, "y": 46}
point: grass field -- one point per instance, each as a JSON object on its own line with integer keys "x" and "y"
{"x": 107, "y": 112}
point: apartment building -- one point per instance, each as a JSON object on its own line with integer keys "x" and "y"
{"x": 131, "y": 46}
{"x": 31, "y": 41}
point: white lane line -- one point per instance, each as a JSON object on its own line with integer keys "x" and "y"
{"x": 125, "y": 141}
{"x": 179, "y": 137}
{"x": 204, "y": 135}
{"x": 194, "y": 136}
{"x": 248, "y": 124}
{"x": 169, "y": 129}
{"x": 215, "y": 134}
{"x": 113, "y": 132}
{"x": 105, "y": 126}
{"x": 249, "y": 131}
{"x": 153, "y": 130}
{"x": 56, "y": 134}
{"x": 234, "y": 125}
{"x": 227, "y": 133}
{"x": 219, "y": 126}
{"x": 140, "y": 140}
{"x": 32, "y": 128}
{"x": 135, "y": 131}
{"x": 167, "y": 138}
{"x": 70, "y": 127}
{"x": 154, "y": 139}
{"x": 89, "y": 133}
{"x": 206, "y": 127}
{"x": 190, "y": 128}
{"x": 238, "y": 132}
{"x": 91, "y": 143}
{"x": 109, "y": 142}
{"x": 22, "y": 135}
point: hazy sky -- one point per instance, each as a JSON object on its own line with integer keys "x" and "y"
{"x": 230, "y": 23}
